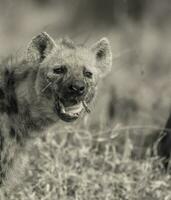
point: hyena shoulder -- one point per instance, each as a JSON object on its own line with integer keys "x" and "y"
{"x": 11, "y": 140}
{"x": 12, "y": 155}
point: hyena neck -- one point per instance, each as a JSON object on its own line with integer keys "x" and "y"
{"x": 29, "y": 116}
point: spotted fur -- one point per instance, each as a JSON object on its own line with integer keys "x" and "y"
{"x": 30, "y": 91}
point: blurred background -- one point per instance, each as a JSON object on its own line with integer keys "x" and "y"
{"x": 137, "y": 91}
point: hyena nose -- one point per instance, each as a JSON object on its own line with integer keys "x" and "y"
{"x": 77, "y": 87}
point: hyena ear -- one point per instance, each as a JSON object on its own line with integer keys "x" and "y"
{"x": 103, "y": 55}
{"x": 39, "y": 47}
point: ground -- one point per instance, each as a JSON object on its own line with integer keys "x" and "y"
{"x": 71, "y": 164}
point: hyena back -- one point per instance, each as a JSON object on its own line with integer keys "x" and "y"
{"x": 56, "y": 81}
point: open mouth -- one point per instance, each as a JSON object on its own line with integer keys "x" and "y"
{"x": 70, "y": 113}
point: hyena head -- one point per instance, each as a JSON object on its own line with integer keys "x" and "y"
{"x": 67, "y": 73}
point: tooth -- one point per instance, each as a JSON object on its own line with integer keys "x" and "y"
{"x": 62, "y": 107}
{"x": 86, "y": 107}
{"x": 63, "y": 110}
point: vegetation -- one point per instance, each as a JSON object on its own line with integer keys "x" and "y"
{"x": 72, "y": 164}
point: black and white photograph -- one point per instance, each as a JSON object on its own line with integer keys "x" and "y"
{"x": 85, "y": 100}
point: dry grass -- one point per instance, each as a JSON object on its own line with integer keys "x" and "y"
{"x": 76, "y": 165}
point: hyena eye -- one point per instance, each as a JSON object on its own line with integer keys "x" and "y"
{"x": 87, "y": 73}
{"x": 60, "y": 69}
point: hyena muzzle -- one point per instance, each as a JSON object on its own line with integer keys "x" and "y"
{"x": 57, "y": 81}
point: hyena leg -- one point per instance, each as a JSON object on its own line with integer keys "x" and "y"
{"x": 164, "y": 148}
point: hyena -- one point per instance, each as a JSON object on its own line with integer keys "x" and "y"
{"x": 56, "y": 81}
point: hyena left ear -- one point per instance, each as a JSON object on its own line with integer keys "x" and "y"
{"x": 103, "y": 55}
{"x": 39, "y": 47}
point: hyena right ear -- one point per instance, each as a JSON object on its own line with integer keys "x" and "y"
{"x": 39, "y": 47}
{"x": 103, "y": 55}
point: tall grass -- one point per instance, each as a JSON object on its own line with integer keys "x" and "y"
{"x": 76, "y": 164}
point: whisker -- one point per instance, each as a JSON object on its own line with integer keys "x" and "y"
{"x": 87, "y": 38}
{"x": 46, "y": 86}
{"x": 86, "y": 107}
